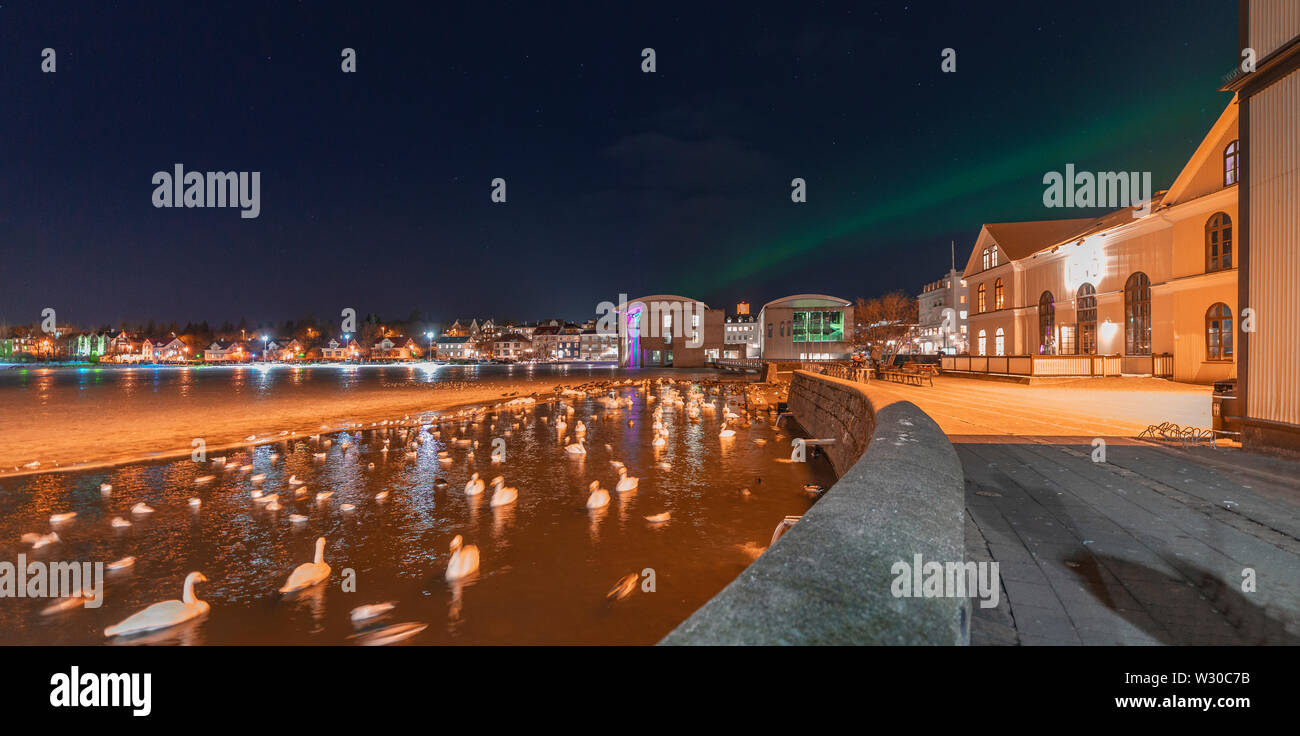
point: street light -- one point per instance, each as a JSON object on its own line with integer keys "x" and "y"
{"x": 430, "y": 336}
{"x": 264, "y": 339}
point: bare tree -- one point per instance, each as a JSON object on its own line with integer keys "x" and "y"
{"x": 882, "y": 324}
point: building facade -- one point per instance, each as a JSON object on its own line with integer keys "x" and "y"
{"x": 806, "y": 327}
{"x": 943, "y": 316}
{"x": 740, "y": 337}
{"x": 1141, "y": 286}
{"x": 1268, "y": 384}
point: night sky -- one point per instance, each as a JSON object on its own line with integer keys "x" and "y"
{"x": 375, "y": 186}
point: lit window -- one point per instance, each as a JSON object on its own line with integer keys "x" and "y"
{"x": 1218, "y": 332}
{"x": 1086, "y": 311}
{"x": 983, "y": 343}
{"x": 1231, "y": 163}
{"x": 1137, "y": 314}
{"x": 986, "y": 259}
{"x": 980, "y": 303}
{"x": 1218, "y": 242}
{"x": 1046, "y": 324}
{"x": 1000, "y": 342}
{"x": 999, "y": 295}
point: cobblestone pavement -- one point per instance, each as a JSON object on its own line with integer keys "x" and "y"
{"x": 1156, "y": 545}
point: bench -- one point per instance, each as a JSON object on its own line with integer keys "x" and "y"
{"x": 911, "y": 377}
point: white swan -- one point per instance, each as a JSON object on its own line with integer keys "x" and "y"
{"x": 659, "y": 518}
{"x": 464, "y": 559}
{"x": 309, "y": 573}
{"x": 370, "y": 610}
{"x": 122, "y": 564}
{"x": 40, "y": 540}
{"x": 142, "y": 508}
{"x": 474, "y": 486}
{"x": 60, "y": 518}
{"x": 726, "y": 432}
{"x": 659, "y": 441}
{"x": 164, "y": 614}
{"x": 501, "y": 495}
{"x": 625, "y": 482}
{"x": 599, "y": 497}
{"x": 119, "y": 523}
{"x": 576, "y": 448}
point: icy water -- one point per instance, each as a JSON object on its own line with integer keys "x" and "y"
{"x": 547, "y": 562}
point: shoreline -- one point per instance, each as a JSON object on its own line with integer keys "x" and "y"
{"x": 404, "y": 406}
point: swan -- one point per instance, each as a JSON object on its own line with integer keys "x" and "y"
{"x": 659, "y": 441}
{"x": 119, "y": 523}
{"x": 164, "y": 614}
{"x": 659, "y": 518}
{"x": 346, "y": 507}
{"x": 502, "y": 495}
{"x": 309, "y": 573}
{"x": 40, "y": 540}
{"x": 623, "y": 588}
{"x": 474, "y": 486}
{"x": 200, "y": 480}
{"x": 625, "y": 482}
{"x": 122, "y": 564}
{"x": 464, "y": 559}
{"x": 726, "y": 432}
{"x": 439, "y": 482}
{"x": 105, "y": 488}
{"x": 599, "y": 497}
{"x": 323, "y": 495}
{"x": 297, "y": 518}
{"x": 273, "y": 504}
{"x": 381, "y": 496}
{"x": 370, "y": 610}
{"x": 60, "y": 518}
{"x": 142, "y": 508}
{"x": 195, "y": 503}
{"x": 576, "y": 448}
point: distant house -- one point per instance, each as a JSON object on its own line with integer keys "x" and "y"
{"x": 222, "y": 352}
{"x": 172, "y": 351}
{"x": 124, "y": 347}
{"x": 512, "y": 346}
{"x": 596, "y": 346}
{"x": 455, "y": 348}
{"x": 336, "y": 350}
{"x": 394, "y": 348}
{"x": 88, "y": 345}
{"x": 546, "y": 340}
{"x": 285, "y": 349}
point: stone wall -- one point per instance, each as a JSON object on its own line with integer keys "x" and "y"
{"x": 829, "y": 579}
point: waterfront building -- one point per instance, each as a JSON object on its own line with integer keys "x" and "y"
{"x": 285, "y": 349}
{"x": 740, "y": 337}
{"x": 1268, "y": 382}
{"x": 546, "y": 340}
{"x": 806, "y": 327}
{"x": 665, "y": 330}
{"x": 569, "y": 344}
{"x": 172, "y": 351}
{"x": 455, "y": 347}
{"x": 937, "y": 329}
{"x": 1158, "y": 290}
{"x": 512, "y": 346}
{"x": 226, "y": 352}
{"x": 396, "y": 347}
{"x": 335, "y": 349}
{"x": 595, "y": 346}
{"x": 88, "y": 345}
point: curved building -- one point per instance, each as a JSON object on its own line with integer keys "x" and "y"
{"x": 806, "y": 327}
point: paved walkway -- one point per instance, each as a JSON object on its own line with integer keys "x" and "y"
{"x": 1149, "y": 547}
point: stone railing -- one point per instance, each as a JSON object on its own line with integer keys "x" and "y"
{"x": 830, "y": 578}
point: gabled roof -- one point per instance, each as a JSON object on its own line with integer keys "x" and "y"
{"x": 1019, "y": 240}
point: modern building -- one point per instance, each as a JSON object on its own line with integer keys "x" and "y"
{"x": 806, "y": 327}
{"x": 740, "y": 337}
{"x": 943, "y": 316}
{"x": 1268, "y": 238}
{"x": 1157, "y": 289}
{"x": 665, "y": 330}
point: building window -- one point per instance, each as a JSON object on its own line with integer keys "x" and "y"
{"x": 1218, "y": 242}
{"x": 984, "y": 343}
{"x": 825, "y": 326}
{"x": 1046, "y": 324}
{"x": 1218, "y": 332}
{"x": 1231, "y": 163}
{"x": 993, "y": 255}
{"x": 981, "y": 299}
{"x": 999, "y": 295}
{"x": 986, "y": 259}
{"x": 999, "y": 342}
{"x": 1137, "y": 315}
{"x": 769, "y": 330}
{"x": 1087, "y": 314}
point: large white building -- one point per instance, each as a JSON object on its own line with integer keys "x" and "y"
{"x": 943, "y": 316}
{"x": 806, "y": 327}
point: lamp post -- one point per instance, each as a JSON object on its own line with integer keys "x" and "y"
{"x": 430, "y": 336}
{"x": 265, "y": 338}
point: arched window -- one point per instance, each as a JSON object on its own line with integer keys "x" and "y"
{"x": 999, "y": 342}
{"x": 1231, "y": 163}
{"x": 981, "y": 293}
{"x": 1046, "y": 324}
{"x": 993, "y": 255}
{"x": 984, "y": 343}
{"x": 1218, "y": 242}
{"x": 1218, "y": 332}
{"x": 1137, "y": 314}
{"x": 1086, "y": 309}
{"x": 986, "y": 259}
{"x": 999, "y": 295}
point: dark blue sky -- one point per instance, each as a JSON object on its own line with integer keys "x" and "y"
{"x": 375, "y": 185}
